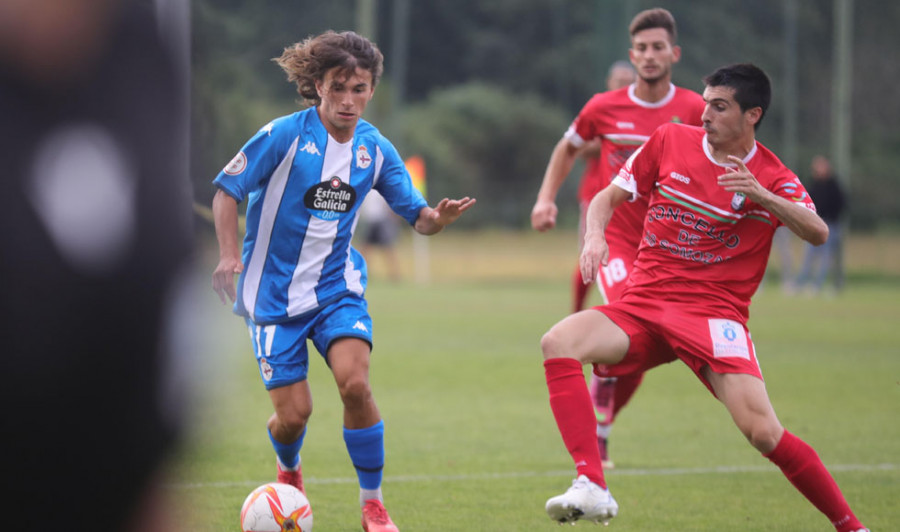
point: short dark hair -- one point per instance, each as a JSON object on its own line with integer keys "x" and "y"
{"x": 751, "y": 86}
{"x": 307, "y": 62}
{"x": 654, "y": 18}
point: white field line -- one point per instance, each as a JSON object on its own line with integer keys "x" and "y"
{"x": 728, "y": 470}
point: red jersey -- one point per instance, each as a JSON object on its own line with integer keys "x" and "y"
{"x": 702, "y": 244}
{"x": 623, "y": 122}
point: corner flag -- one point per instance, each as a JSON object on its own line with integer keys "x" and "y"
{"x": 415, "y": 165}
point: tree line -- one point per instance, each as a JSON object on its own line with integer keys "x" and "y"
{"x": 483, "y": 90}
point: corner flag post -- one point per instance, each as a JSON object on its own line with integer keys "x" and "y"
{"x": 415, "y": 165}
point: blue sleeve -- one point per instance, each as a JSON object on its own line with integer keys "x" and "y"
{"x": 253, "y": 165}
{"x": 395, "y": 184}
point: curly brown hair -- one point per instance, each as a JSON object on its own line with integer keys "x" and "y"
{"x": 307, "y": 61}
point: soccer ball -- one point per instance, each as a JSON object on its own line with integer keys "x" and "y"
{"x": 276, "y": 507}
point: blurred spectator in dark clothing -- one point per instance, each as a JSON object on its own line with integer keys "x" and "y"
{"x": 96, "y": 254}
{"x": 831, "y": 204}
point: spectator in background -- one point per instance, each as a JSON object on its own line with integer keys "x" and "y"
{"x": 782, "y": 244}
{"x": 831, "y": 203}
{"x": 381, "y": 228}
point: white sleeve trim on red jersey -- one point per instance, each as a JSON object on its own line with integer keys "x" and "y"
{"x": 573, "y": 137}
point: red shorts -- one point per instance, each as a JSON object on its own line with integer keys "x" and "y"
{"x": 661, "y": 331}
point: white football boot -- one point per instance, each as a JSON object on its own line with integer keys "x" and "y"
{"x": 584, "y": 500}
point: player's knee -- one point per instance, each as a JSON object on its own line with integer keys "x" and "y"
{"x": 355, "y": 391}
{"x": 553, "y": 344}
{"x": 764, "y": 436}
{"x": 293, "y": 420}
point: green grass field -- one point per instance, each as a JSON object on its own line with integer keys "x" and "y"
{"x": 471, "y": 442}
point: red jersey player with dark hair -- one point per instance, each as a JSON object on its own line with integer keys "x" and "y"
{"x": 622, "y": 119}
{"x": 715, "y": 198}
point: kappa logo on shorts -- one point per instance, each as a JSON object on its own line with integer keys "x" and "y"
{"x": 728, "y": 339}
{"x": 360, "y": 326}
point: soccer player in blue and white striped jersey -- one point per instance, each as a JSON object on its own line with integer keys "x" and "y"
{"x": 305, "y": 176}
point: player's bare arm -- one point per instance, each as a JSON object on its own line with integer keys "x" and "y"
{"x": 447, "y": 211}
{"x": 802, "y": 221}
{"x": 225, "y": 214}
{"x": 595, "y": 252}
{"x": 543, "y": 215}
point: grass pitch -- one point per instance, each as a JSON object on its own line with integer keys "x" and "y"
{"x": 471, "y": 442}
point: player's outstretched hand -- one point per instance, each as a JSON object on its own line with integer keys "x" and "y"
{"x": 543, "y": 215}
{"x": 223, "y": 278}
{"x": 448, "y": 211}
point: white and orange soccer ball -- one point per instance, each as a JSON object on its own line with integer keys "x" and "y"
{"x": 276, "y": 507}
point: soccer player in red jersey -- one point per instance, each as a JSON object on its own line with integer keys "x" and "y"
{"x": 622, "y": 120}
{"x": 715, "y": 198}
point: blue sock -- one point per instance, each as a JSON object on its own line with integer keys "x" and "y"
{"x": 366, "y": 448}
{"x": 288, "y": 454}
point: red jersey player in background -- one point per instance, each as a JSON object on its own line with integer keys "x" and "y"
{"x": 715, "y": 198}
{"x": 622, "y": 120}
{"x": 621, "y": 74}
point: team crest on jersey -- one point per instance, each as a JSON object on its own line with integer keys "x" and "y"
{"x": 330, "y": 200}
{"x": 363, "y": 159}
{"x": 237, "y": 165}
{"x": 676, "y": 119}
{"x": 738, "y": 201}
{"x": 265, "y": 369}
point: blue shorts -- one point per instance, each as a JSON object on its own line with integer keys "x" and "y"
{"x": 281, "y": 351}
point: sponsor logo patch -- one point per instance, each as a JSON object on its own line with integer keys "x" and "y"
{"x": 360, "y": 326}
{"x": 330, "y": 200}
{"x": 728, "y": 339}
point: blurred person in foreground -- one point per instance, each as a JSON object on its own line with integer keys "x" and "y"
{"x": 305, "y": 176}
{"x": 716, "y": 196}
{"x": 97, "y": 242}
{"x": 831, "y": 203}
{"x": 621, "y": 120}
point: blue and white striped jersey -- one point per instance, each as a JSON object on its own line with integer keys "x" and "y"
{"x": 304, "y": 191}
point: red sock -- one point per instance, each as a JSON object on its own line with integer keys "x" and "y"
{"x": 579, "y": 290}
{"x": 803, "y": 467}
{"x": 625, "y": 388}
{"x": 574, "y": 413}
